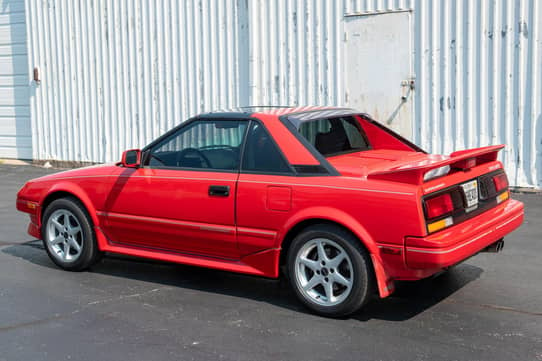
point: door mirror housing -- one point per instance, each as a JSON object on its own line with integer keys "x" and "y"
{"x": 131, "y": 158}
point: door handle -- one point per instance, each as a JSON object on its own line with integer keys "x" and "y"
{"x": 219, "y": 191}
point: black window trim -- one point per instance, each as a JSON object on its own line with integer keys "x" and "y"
{"x": 147, "y": 150}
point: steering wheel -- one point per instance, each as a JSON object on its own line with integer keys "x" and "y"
{"x": 183, "y": 154}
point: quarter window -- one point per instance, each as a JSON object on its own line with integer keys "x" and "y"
{"x": 206, "y": 144}
{"x": 261, "y": 153}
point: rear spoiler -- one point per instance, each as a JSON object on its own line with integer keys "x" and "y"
{"x": 462, "y": 159}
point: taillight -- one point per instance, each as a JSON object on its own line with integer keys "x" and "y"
{"x": 500, "y": 181}
{"x": 439, "y": 205}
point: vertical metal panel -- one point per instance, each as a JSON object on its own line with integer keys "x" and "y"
{"x": 296, "y": 52}
{"x": 117, "y": 73}
{"x": 478, "y": 67}
{"x": 15, "y": 135}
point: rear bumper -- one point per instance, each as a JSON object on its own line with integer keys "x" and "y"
{"x": 453, "y": 245}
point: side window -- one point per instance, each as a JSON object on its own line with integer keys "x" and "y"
{"x": 335, "y": 135}
{"x": 261, "y": 153}
{"x": 204, "y": 144}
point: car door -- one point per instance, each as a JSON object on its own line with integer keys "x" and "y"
{"x": 183, "y": 197}
{"x": 264, "y": 192}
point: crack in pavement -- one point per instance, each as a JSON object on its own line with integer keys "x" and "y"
{"x": 122, "y": 297}
{"x": 58, "y": 316}
{"x": 33, "y": 323}
{"x": 495, "y": 307}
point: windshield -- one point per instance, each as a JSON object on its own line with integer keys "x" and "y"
{"x": 333, "y": 136}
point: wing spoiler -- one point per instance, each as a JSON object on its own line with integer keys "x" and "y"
{"x": 413, "y": 173}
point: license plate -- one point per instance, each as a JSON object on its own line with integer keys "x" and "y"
{"x": 470, "y": 189}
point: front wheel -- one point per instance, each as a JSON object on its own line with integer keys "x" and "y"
{"x": 68, "y": 235}
{"x": 329, "y": 270}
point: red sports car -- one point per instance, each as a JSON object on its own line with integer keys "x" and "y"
{"x": 339, "y": 202}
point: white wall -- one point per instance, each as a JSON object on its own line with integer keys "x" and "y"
{"x": 116, "y": 73}
{"x": 15, "y": 130}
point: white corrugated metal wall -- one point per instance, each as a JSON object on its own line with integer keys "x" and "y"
{"x": 479, "y": 66}
{"x": 118, "y": 73}
{"x": 15, "y": 139}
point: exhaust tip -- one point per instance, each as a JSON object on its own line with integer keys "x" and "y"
{"x": 495, "y": 247}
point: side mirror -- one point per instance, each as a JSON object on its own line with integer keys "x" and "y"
{"x": 131, "y": 158}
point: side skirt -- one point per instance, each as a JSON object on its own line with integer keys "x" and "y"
{"x": 264, "y": 263}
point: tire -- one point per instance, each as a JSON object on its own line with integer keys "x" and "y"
{"x": 66, "y": 226}
{"x": 327, "y": 260}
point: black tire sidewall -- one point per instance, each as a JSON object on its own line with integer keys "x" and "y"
{"x": 89, "y": 250}
{"x": 361, "y": 264}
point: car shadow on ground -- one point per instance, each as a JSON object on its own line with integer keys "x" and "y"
{"x": 409, "y": 299}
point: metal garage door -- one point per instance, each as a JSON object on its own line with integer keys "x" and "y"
{"x": 15, "y": 130}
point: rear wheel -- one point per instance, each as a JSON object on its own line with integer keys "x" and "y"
{"x": 329, "y": 270}
{"x": 68, "y": 235}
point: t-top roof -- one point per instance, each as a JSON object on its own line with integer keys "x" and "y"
{"x": 299, "y": 113}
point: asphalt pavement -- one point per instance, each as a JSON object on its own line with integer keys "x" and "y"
{"x": 487, "y": 308}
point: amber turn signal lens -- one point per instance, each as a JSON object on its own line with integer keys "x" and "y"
{"x": 502, "y": 197}
{"x": 438, "y": 225}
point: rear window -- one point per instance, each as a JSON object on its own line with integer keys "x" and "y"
{"x": 333, "y": 136}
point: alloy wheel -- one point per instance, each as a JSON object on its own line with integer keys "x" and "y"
{"x": 64, "y": 235}
{"x": 323, "y": 272}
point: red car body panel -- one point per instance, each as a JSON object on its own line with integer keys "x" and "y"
{"x": 377, "y": 195}
{"x": 451, "y": 246}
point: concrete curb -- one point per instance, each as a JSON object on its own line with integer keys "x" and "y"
{"x": 525, "y": 190}
{"x": 14, "y": 162}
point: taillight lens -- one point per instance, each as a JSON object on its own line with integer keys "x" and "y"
{"x": 439, "y": 205}
{"x": 501, "y": 182}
